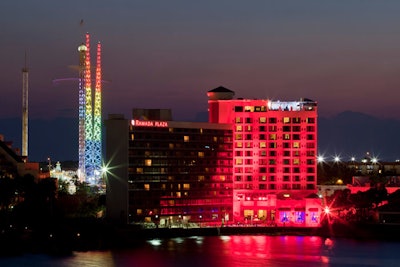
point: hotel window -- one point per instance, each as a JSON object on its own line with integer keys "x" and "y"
{"x": 248, "y": 128}
{"x": 310, "y": 161}
{"x": 262, "y": 136}
{"x": 263, "y": 153}
{"x": 286, "y": 161}
{"x": 296, "y": 137}
{"x": 296, "y": 120}
{"x": 249, "y": 178}
{"x": 310, "y": 145}
{"x": 286, "y": 170}
{"x": 147, "y": 162}
{"x": 238, "y": 137}
{"x": 262, "y": 128}
{"x": 272, "y": 120}
{"x": 310, "y": 169}
{"x": 186, "y": 186}
{"x": 272, "y": 186}
{"x": 248, "y": 120}
{"x": 286, "y": 145}
{"x": 296, "y": 153}
{"x": 262, "y": 178}
{"x": 296, "y": 161}
{"x": 271, "y": 145}
{"x": 249, "y": 109}
{"x": 262, "y": 186}
{"x": 286, "y": 120}
{"x": 286, "y": 128}
{"x": 272, "y": 128}
{"x": 310, "y": 178}
{"x": 248, "y": 137}
{"x": 146, "y": 187}
{"x": 139, "y": 211}
{"x": 272, "y": 136}
{"x": 272, "y": 153}
{"x": 263, "y": 144}
{"x": 272, "y": 161}
{"x": 186, "y": 138}
{"x": 238, "y": 178}
{"x": 263, "y": 120}
{"x": 238, "y": 120}
{"x": 272, "y": 178}
{"x": 310, "y": 137}
{"x": 248, "y": 154}
{"x": 296, "y": 170}
{"x": 248, "y": 144}
{"x": 238, "y": 109}
{"x": 296, "y": 144}
{"x": 296, "y": 128}
{"x": 249, "y": 161}
{"x": 239, "y": 161}
{"x": 286, "y": 178}
{"x": 286, "y": 136}
{"x": 239, "y": 128}
{"x": 286, "y": 153}
{"x": 200, "y": 154}
{"x": 132, "y": 137}
{"x": 310, "y": 120}
{"x": 239, "y": 144}
{"x": 139, "y": 170}
{"x": 263, "y": 170}
{"x": 297, "y": 178}
{"x": 272, "y": 169}
{"x": 310, "y": 128}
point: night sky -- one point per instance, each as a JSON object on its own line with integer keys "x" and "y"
{"x": 168, "y": 54}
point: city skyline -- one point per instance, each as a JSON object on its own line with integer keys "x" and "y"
{"x": 161, "y": 55}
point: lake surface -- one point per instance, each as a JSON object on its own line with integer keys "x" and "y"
{"x": 232, "y": 251}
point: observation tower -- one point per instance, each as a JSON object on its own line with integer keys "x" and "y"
{"x": 90, "y": 120}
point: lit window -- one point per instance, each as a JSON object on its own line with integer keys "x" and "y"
{"x": 286, "y": 120}
{"x": 171, "y": 145}
{"x": 178, "y": 194}
{"x": 296, "y": 161}
{"x": 249, "y": 109}
{"x": 186, "y": 138}
{"x": 132, "y": 137}
{"x": 200, "y": 178}
{"x": 239, "y": 144}
{"x": 238, "y": 137}
{"x": 263, "y": 145}
{"x": 147, "y": 162}
{"x": 239, "y": 128}
{"x": 286, "y": 136}
{"x": 238, "y": 120}
{"x": 146, "y": 187}
{"x": 263, "y": 120}
{"x": 200, "y": 154}
{"x": 239, "y": 161}
{"x": 272, "y": 136}
{"x": 296, "y": 144}
{"x": 139, "y": 211}
{"x": 139, "y": 170}
{"x": 186, "y": 186}
{"x": 222, "y": 178}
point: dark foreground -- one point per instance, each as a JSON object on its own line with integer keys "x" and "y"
{"x": 94, "y": 235}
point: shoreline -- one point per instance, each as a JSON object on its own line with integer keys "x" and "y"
{"x": 67, "y": 240}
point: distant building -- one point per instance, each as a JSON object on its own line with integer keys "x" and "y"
{"x": 12, "y": 164}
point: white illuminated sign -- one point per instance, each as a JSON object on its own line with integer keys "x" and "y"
{"x": 149, "y": 123}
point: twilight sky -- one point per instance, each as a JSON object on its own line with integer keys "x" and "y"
{"x": 168, "y": 54}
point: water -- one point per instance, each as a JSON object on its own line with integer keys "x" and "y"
{"x": 232, "y": 251}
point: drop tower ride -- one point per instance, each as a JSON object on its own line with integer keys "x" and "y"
{"x": 90, "y": 119}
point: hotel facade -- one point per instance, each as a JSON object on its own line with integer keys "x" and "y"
{"x": 253, "y": 162}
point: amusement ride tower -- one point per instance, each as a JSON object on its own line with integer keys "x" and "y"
{"x": 90, "y": 121}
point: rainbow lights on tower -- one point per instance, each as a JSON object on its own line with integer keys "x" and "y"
{"x": 90, "y": 120}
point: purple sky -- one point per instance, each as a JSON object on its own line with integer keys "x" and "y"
{"x": 168, "y": 54}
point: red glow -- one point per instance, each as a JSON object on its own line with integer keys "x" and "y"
{"x": 274, "y": 152}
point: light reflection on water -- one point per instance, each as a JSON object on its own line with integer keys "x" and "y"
{"x": 230, "y": 251}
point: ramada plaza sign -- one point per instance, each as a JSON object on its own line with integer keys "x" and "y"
{"x": 149, "y": 123}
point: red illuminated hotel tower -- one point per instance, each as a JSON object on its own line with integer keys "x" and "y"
{"x": 274, "y": 157}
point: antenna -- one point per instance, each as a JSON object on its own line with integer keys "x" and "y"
{"x": 25, "y": 83}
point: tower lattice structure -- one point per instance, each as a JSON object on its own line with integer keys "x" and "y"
{"x": 90, "y": 119}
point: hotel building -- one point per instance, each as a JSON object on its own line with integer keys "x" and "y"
{"x": 254, "y": 161}
{"x": 274, "y": 156}
{"x": 167, "y": 171}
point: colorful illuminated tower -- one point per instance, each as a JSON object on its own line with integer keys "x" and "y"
{"x": 97, "y": 151}
{"x": 81, "y": 153}
{"x": 90, "y": 153}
